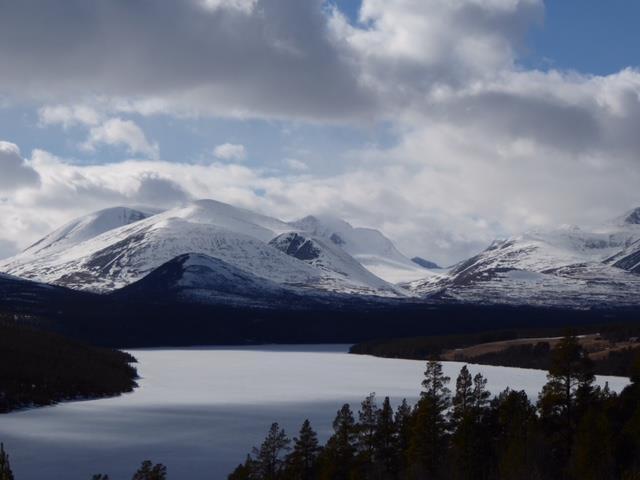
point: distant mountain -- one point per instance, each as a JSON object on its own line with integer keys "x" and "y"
{"x": 568, "y": 266}
{"x": 368, "y": 246}
{"x": 425, "y": 263}
{"x": 125, "y": 254}
{"x": 208, "y": 252}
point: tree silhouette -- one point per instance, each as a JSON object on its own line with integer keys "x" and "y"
{"x": 566, "y": 395}
{"x": 268, "y": 461}
{"x": 428, "y": 443}
{"x": 149, "y": 471}
{"x": 386, "y": 451}
{"x": 339, "y": 453}
{"x": 303, "y": 460}
{"x": 5, "y": 467}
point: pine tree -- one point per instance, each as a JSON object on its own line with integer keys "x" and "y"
{"x": 403, "y": 421}
{"x": 149, "y": 471}
{"x": 268, "y": 462}
{"x": 303, "y": 459}
{"x": 463, "y": 398}
{"x": 367, "y": 424}
{"x": 470, "y": 436}
{"x": 100, "y": 476}
{"x": 386, "y": 441}
{"x": 244, "y": 471}
{"x": 5, "y": 467}
{"x": 517, "y": 441}
{"x": 428, "y": 443}
{"x": 592, "y": 455}
{"x": 567, "y": 394}
{"x": 480, "y": 394}
{"x": 339, "y": 453}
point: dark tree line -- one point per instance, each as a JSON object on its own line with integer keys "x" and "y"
{"x": 537, "y": 356}
{"x": 41, "y": 368}
{"x": 575, "y": 430}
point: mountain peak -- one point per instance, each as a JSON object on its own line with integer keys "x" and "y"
{"x": 87, "y": 227}
{"x": 632, "y": 217}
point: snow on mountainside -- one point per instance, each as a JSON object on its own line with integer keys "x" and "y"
{"x": 566, "y": 266}
{"x": 368, "y": 246}
{"x": 239, "y": 237}
{"x": 85, "y": 228}
{"x": 203, "y": 279}
{"x": 333, "y": 260}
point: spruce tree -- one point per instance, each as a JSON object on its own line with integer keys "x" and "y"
{"x": 149, "y": 471}
{"x": 303, "y": 459}
{"x": 5, "y": 467}
{"x": 268, "y": 461}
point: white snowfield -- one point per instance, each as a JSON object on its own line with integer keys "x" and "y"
{"x": 370, "y": 247}
{"x": 113, "y": 248}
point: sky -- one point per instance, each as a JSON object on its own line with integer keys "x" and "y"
{"x": 443, "y": 123}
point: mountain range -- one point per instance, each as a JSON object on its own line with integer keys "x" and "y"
{"x": 208, "y": 252}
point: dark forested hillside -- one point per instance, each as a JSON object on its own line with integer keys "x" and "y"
{"x": 39, "y": 368}
{"x": 611, "y": 347}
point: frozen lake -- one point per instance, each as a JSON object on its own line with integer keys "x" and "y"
{"x": 200, "y": 410}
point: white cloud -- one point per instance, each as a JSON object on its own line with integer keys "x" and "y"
{"x": 15, "y": 171}
{"x": 245, "y": 6}
{"x": 123, "y": 133}
{"x": 483, "y": 147}
{"x": 230, "y": 151}
{"x": 68, "y": 115}
{"x": 295, "y": 164}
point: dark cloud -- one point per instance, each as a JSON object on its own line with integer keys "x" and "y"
{"x": 15, "y": 173}
{"x": 275, "y": 60}
{"x": 158, "y": 191}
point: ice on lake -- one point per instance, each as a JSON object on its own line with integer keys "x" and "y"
{"x": 200, "y": 410}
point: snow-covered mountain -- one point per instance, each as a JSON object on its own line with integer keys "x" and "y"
{"x": 568, "y": 266}
{"x": 333, "y": 260}
{"x": 203, "y": 279}
{"x": 368, "y": 246}
{"x": 85, "y": 228}
{"x": 239, "y": 237}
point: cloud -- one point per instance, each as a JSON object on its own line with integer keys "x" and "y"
{"x": 230, "y": 151}
{"x": 245, "y": 6}
{"x": 295, "y": 164}
{"x": 441, "y": 192}
{"x": 15, "y": 172}
{"x": 261, "y": 58}
{"x": 68, "y": 115}
{"x": 8, "y": 248}
{"x": 119, "y": 132}
{"x": 466, "y": 143}
{"x": 156, "y": 190}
